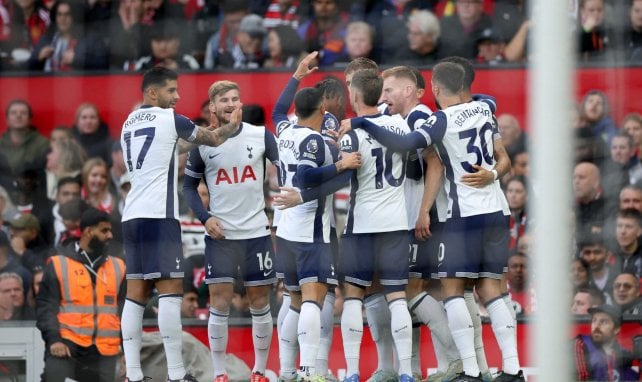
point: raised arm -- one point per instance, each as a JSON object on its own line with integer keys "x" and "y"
{"x": 219, "y": 135}
{"x": 280, "y": 112}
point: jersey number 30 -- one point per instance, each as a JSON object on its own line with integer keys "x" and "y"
{"x": 480, "y": 150}
{"x": 149, "y": 133}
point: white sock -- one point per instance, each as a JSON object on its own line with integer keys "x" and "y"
{"x": 309, "y": 332}
{"x": 432, "y": 313}
{"x": 288, "y": 344}
{"x": 283, "y": 311}
{"x": 461, "y": 327}
{"x": 352, "y": 333}
{"x": 401, "y": 329}
{"x": 131, "y": 325}
{"x": 217, "y": 331}
{"x": 509, "y": 303}
{"x": 261, "y": 336}
{"x": 503, "y": 323}
{"x": 169, "y": 325}
{"x": 473, "y": 310}
{"x": 378, "y": 316}
{"x": 440, "y": 354}
{"x": 415, "y": 357}
{"x": 327, "y": 329}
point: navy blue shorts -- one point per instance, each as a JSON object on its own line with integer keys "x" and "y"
{"x": 423, "y": 254}
{"x": 386, "y": 253}
{"x": 153, "y": 249}
{"x": 252, "y": 259}
{"x": 475, "y": 246}
{"x": 306, "y": 263}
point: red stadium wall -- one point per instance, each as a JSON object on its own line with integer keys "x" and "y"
{"x": 241, "y": 338}
{"x": 55, "y": 98}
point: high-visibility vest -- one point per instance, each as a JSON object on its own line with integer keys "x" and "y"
{"x": 88, "y": 314}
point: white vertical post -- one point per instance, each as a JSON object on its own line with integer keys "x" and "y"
{"x": 551, "y": 81}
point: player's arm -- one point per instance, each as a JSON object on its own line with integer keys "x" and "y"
{"x": 271, "y": 148}
{"x": 483, "y": 177}
{"x": 194, "y": 170}
{"x": 432, "y": 130}
{"x": 216, "y": 137}
{"x": 432, "y": 182}
{"x": 311, "y": 172}
{"x": 283, "y": 103}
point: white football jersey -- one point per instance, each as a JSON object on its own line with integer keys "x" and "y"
{"x": 308, "y": 222}
{"x": 464, "y": 134}
{"x": 148, "y": 138}
{"x": 377, "y": 201}
{"x": 235, "y": 174}
{"x": 415, "y": 168}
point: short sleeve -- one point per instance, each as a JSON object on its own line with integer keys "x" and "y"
{"x": 185, "y": 128}
{"x": 194, "y": 167}
{"x": 349, "y": 142}
{"x": 312, "y": 151}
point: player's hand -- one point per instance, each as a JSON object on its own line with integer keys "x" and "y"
{"x": 237, "y": 115}
{"x": 288, "y": 198}
{"x": 478, "y": 179}
{"x": 422, "y": 227}
{"x": 349, "y": 161}
{"x": 306, "y": 66}
{"x": 346, "y": 127}
{"x": 60, "y": 350}
{"x": 214, "y": 228}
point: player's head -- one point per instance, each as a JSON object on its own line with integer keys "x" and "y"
{"x": 421, "y": 82}
{"x": 334, "y": 96}
{"x": 447, "y": 79}
{"x": 399, "y": 89}
{"x": 308, "y": 102}
{"x": 224, "y": 97}
{"x": 365, "y": 88}
{"x": 360, "y": 63}
{"x": 160, "y": 87}
{"x": 468, "y": 69}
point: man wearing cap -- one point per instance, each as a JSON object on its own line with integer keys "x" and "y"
{"x": 26, "y": 242}
{"x": 79, "y": 304}
{"x": 490, "y": 47}
{"x": 247, "y": 52}
{"x": 599, "y": 356}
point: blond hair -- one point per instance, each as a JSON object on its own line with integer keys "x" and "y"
{"x": 221, "y": 87}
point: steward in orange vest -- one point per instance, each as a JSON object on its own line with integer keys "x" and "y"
{"x": 79, "y": 304}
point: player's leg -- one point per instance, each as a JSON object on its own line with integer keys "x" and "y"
{"x": 327, "y": 317}
{"x": 138, "y": 292}
{"x": 392, "y": 264}
{"x": 288, "y": 341}
{"x": 473, "y": 310}
{"x": 495, "y": 255}
{"x": 259, "y": 275}
{"x": 461, "y": 249}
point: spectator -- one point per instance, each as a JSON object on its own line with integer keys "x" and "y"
{"x": 28, "y": 23}
{"x": 247, "y": 51}
{"x": 593, "y": 251}
{"x": 66, "y": 45}
{"x": 599, "y": 356}
{"x": 12, "y": 284}
{"x": 580, "y": 273}
{"x": 518, "y": 284}
{"x": 60, "y": 132}
{"x": 91, "y": 132}
{"x": 31, "y": 198}
{"x": 65, "y": 159}
{"x": 129, "y": 32}
{"x": 423, "y": 36}
{"x": 37, "y": 274}
{"x": 628, "y": 255}
{"x": 519, "y": 164}
{"x": 189, "y": 305}
{"x": 95, "y": 182}
{"x": 282, "y": 12}
{"x": 325, "y": 31}
{"x": 222, "y": 42}
{"x": 595, "y": 37}
{"x": 588, "y": 147}
{"x": 517, "y": 197}
{"x": 84, "y": 350}
{"x": 6, "y": 307}
{"x": 285, "y": 48}
{"x": 71, "y": 212}
{"x": 165, "y": 50}
{"x": 594, "y": 111}
{"x": 630, "y": 197}
{"x": 68, "y": 189}
{"x": 586, "y": 298}
{"x": 634, "y": 39}
{"x": 490, "y": 47}
{"x": 26, "y": 243}
{"x": 623, "y": 152}
{"x": 513, "y": 137}
{"x": 508, "y": 17}
{"x": 590, "y": 205}
{"x": 632, "y": 124}
{"x": 21, "y": 143}
{"x": 117, "y": 169}
{"x": 11, "y": 264}
{"x": 458, "y": 31}
{"x": 615, "y": 170}
{"x": 626, "y": 293}
{"x": 358, "y": 41}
